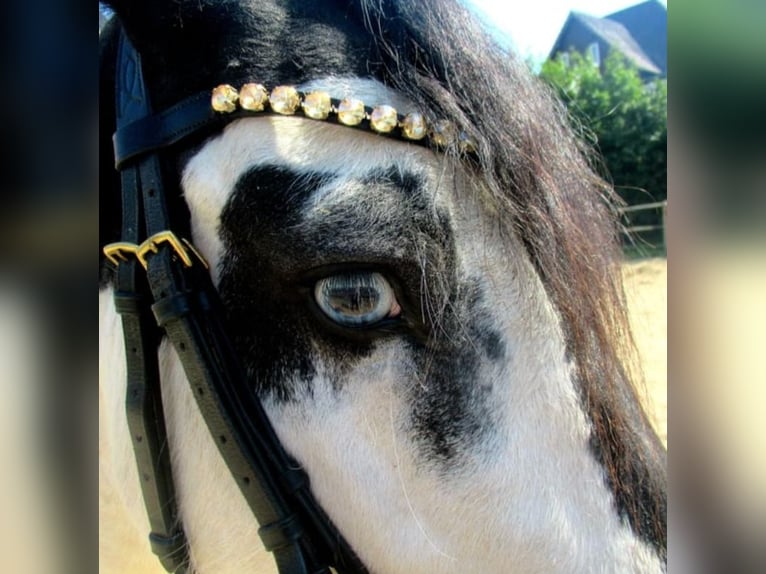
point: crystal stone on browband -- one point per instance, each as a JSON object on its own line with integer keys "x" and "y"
{"x": 318, "y": 105}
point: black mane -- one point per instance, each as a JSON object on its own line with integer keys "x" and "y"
{"x": 537, "y": 173}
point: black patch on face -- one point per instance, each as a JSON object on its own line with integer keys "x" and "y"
{"x": 451, "y": 411}
{"x": 492, "y": 343}
{"x": 479, "y": 326}
{"x": 270, "y": 245}
{"x": 264, "y": 324}
{"x": 270, "y": 251}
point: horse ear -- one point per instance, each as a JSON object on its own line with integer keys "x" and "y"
{"x": 177, "y": 35}
{"x": 147, "y": 22}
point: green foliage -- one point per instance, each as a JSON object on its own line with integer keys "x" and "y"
{"x": 624, "y": 118}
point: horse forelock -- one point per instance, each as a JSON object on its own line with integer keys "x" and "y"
{"x": 535, "y": 185}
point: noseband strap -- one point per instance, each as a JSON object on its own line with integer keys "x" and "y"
{"x": 175, "y": 297}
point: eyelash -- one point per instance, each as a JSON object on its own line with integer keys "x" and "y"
{"x": 356, "y": 299}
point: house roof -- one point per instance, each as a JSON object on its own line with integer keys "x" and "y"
{"x": 639, "y": 32}
{"x": 647, "y": 22}
{"x": 617, "y": 36}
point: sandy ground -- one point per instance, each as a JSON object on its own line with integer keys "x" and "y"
{"x": 646, "y": 288}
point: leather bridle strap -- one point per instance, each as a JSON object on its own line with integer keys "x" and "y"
{"x": 186, "y": 307}
{"x": 143, "y": 401}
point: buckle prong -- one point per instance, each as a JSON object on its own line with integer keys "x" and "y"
{"x": 115, "y": 252}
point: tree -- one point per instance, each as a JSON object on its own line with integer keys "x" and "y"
{"x": 624, "y": 118}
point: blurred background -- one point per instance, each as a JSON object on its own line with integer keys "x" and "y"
{"x": 717, "y": 291}
{"x": 48, "y": 337}
{"x": 706, "y": 221}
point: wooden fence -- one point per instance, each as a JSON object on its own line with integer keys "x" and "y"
{"x": 663, "y": 205}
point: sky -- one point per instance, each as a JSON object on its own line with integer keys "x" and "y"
{"x": 532, "y": 26}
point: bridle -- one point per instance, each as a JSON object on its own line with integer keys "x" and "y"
{"x": 162, "y": 286}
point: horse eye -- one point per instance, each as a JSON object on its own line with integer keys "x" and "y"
{"x": 356, "y": 299}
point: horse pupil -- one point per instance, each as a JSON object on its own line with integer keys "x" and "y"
{"x": 354, "y": 299}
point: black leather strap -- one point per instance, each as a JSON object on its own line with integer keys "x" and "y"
{"x": 186, "y": 307}
{"x": 235, "y": 420}
{"x": 158, "y": 131}
{"x": 143, "y": 403}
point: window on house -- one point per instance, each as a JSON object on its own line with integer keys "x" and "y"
{"x": 594, "y": 53}
{"x": 564, "y": 58}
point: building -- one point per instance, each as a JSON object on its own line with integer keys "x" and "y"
{"x": 639, "y": 32}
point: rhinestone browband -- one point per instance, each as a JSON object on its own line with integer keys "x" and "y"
{"x": 318, "y": 105}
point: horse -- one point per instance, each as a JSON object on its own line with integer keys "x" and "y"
{"x": 418, "y": 272}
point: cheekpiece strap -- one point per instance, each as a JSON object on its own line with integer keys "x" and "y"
{"x": 164, "y": 286}
{"x": 143, "y": 403}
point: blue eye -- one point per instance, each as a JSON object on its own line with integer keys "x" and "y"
{"x": 356, "y": 299}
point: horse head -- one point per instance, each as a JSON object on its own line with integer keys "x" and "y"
{"x": 436, "y": 332}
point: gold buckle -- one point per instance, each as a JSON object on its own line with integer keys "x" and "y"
{"x": 152, "y": 245}
{"x": 116, "y": 252}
